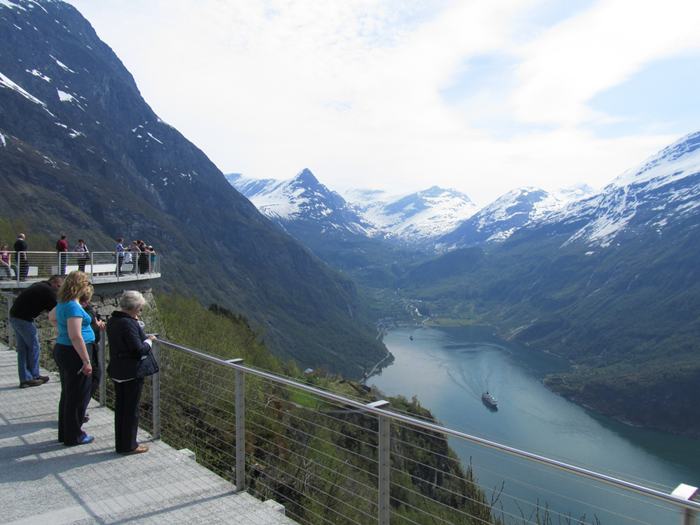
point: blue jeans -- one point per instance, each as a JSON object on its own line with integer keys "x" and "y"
{"x": 27, "y": 349}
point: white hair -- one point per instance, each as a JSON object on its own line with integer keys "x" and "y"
{"x": 131, "y": 300}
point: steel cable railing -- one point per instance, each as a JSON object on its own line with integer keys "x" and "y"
{"x": 323, "y": 458}
{"x": 25, "y": 268}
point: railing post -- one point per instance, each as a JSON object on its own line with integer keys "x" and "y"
{"x": 92, "y": 266}
{"x": 384, "y": 465}
{"x": 156, "y": 396}
{"x": 688, "y": 493}
{"x": 10, "y": 331}
{"x": 101, "y": 365}
{"x": 240, "y": 428}
{"x": 384, "y": 470}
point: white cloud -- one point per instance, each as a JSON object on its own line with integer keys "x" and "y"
{"x": 352, "y": 89}
{"x": 569, "y": 64}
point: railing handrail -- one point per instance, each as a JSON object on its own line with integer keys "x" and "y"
{"x": 54, "y": 252}
{"x": 426, "y": 425}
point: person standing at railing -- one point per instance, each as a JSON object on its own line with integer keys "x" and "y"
{"x": 83, "y": 254}
{"x": 5, "y": 268}
{"x": 128, "y": 344}
{"x": 119, "y": 249}
{"x": 71, "y": 355}
{"x": 39, "y": 297}
{"x": 62, "y": 250}
{"x": 135, "y": 252}
{"x": 151, "y": 259}
{"x": 143, "y": 257}
{"x": 21, "y": 248}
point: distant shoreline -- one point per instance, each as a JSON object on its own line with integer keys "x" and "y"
{"x": 377, "y": 367}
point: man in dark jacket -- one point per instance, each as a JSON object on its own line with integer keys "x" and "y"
{"x": 39, "y": 297}
{"x": 62, "y": 250}
{"x": 21, "y": 248}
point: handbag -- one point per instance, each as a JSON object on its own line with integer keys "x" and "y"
{"x": 147, "y": 366}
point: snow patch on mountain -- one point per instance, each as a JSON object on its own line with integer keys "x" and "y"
{"x": 8, "y": 83}
{"x": 154, "y": 138}
{"x": 65, "y": 97}
{"x": 37, "y": 73}
{"x": 11, "y": 5}
{"x": 62, "y": 65}
{"x": 680, "y": 159}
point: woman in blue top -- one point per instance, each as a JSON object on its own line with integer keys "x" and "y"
{"x": 72, "y": 357}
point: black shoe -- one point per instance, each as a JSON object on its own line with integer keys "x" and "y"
{"x": 43, "y": 379}
{"x": 86, "y": 418}
{"x": 31, "y": 382}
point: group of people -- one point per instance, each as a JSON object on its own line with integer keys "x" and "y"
{"x": 137, "y": 257}
{"x": 140, "y": 255}
{"x": 80, "y": 249}
{"x": 79, "y": 327}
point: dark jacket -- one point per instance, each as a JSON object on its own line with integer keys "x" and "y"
{"x": 21, "y": 246}
{"x": 39, "y": 297}
{"x": 126, "y": 345}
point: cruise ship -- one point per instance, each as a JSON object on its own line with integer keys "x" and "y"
{"x": 489, "y": 400}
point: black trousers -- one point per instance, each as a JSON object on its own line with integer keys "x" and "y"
{"x": 96, "y": 373}
{"x": 75, "y": 394}
{"x": 126, "y": 414}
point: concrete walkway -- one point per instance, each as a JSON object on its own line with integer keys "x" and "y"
{"x": 41, "y": 481}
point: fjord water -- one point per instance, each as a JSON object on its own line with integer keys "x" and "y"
{"x": 448, "y": 370}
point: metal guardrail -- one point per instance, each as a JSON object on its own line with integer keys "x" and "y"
{"x": 277, "y": 437}
{"x": 679, "y": 499}
{"x": 24, "y": 268}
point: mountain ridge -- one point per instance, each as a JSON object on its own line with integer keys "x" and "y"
{"x": 81, "y": 144}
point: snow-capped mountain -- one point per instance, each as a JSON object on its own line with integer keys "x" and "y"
{"x": 419, "y": 216}
{"x": 662, "y": 190}
{"x": 374, "y": 213}
{"x": 302, "y": 199}
{"x": 498, "y": 220}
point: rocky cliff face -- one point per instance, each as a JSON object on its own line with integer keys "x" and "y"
{"x": 81, "y": 151}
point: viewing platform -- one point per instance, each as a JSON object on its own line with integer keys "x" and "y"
{"x": 102, "y": 267}
{"x": 45, "y": 482}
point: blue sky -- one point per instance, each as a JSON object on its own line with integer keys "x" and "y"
{"x": 661, "y": 98}
{"x": 401, "y": 95}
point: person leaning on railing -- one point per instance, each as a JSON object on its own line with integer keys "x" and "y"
{"x": 72, "y": 357}
{"x": 27, "y": 306}
{"x": 128, "y": 344}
